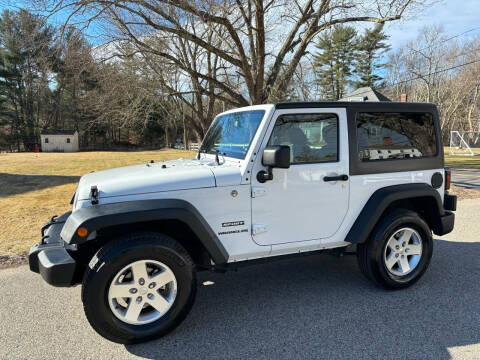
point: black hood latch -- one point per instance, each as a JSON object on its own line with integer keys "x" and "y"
{"x": 94, "y": 195}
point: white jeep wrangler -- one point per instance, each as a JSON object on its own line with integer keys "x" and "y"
{"x": 268, "y": 181}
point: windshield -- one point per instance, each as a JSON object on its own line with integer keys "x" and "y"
{"x": 231, "y": 134}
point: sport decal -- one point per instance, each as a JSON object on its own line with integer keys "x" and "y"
{"x": 233, "y": 223}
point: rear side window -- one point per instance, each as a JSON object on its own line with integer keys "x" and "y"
{"x": 395, "y": 135}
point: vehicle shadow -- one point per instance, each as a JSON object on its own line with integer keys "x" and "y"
{"x": 13, "y": 184}
{"x": 322, "y": 307}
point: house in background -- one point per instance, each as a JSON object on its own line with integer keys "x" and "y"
{"x": 59, "y": 141}
{"x": 365, "y": 94}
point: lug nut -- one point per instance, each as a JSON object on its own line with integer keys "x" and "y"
{"x": 150, "y": 296}
{"x": 403, "y": 256}
{"x": 141, "y": 281}
{"x": 133, "y": 291}
{"x": 152, "y": 285}
{"x": 396, "y": 255}
{"x": 397, "y": 247}
{"x": 404, "y": 244}
{"x": 139, "y": 299}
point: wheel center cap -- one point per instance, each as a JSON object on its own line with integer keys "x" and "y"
{"x": 143, "y": 290}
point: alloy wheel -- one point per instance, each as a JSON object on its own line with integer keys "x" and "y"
{"x": 403, "y": 252}
{"x": 142, "y": 292}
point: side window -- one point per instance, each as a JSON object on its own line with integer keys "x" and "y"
{"x": 68, "y": 140}
{"x": 312, "y": 137}
{"x": 46, "y": 140}
{"x": 395, "y": 135}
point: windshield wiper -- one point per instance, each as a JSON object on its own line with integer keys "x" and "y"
{"x": 200, "y": 151}
{"x": 217, "y": 152}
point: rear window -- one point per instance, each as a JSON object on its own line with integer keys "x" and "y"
{"x": 383, "y": 136}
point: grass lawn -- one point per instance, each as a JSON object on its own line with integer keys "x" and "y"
{"x": 33, "y": 187}
{"x": 462, "y": 162}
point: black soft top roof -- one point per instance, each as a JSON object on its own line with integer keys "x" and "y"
{"x": 358, "y": 167}
{"x": 363, "y": 105}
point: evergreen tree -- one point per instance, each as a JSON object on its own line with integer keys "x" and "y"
{"x": 371, "y": 46}
{"x": 26, "y": 53}
{"x": 75, "y": 75}
{"x": 334, "y": 61}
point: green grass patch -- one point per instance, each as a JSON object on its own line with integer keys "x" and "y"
{"x": 462, "y": 162}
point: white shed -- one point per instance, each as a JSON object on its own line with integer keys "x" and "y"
{"x": 59, "y": 141}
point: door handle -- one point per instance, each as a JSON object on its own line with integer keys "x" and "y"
{"x": 336, "y": 178}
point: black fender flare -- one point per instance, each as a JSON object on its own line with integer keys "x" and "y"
{"x": 101, "y": 216}
{"x": 382, "y": 198}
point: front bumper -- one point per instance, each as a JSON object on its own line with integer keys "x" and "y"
{"x": 50, "y": 257}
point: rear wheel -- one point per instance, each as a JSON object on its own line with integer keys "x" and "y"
{"x": 139, "y": 287}
{"x": 398, "y": 251}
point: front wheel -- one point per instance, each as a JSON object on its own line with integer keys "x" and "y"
{"x": 138, "y": 288}
{"x": 398, "y": 251}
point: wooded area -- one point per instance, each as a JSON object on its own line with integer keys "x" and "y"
{"x": 166, "y": 68}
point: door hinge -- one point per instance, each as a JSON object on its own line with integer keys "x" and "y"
{"x": 258, "y": 191}
{"x": 258, "y": 229}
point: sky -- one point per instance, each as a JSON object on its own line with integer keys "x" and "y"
{"x": 456, "y": 17}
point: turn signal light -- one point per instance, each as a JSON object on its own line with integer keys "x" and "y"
{"x": 82, "y": 231}
{"x": 448, "y": 179}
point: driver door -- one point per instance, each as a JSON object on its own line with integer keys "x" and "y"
{"x": 301, "y": 203}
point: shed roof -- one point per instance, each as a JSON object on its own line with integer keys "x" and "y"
{"x": 58, "y": 132}
{"x": 365, "y": 94}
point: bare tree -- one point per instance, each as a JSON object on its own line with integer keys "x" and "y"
{"x": 262, "y": 42}
{"x": 435, "y": 69}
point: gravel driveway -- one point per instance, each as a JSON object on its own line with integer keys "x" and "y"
{"x": 313, "y": 307}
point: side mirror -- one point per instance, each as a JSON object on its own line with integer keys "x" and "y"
{"x": 274, "y": 157}
{"x": 277, "y": 156}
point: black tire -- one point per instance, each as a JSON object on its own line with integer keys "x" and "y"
{"x": 119, "y": 253}
{"x": 370, "y": 255}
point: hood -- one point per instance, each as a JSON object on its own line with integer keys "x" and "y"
{"x": 173, "y": 175}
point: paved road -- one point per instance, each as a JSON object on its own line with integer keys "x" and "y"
{"x": 469, "y": 179}
{"x": 315, "y": 307}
